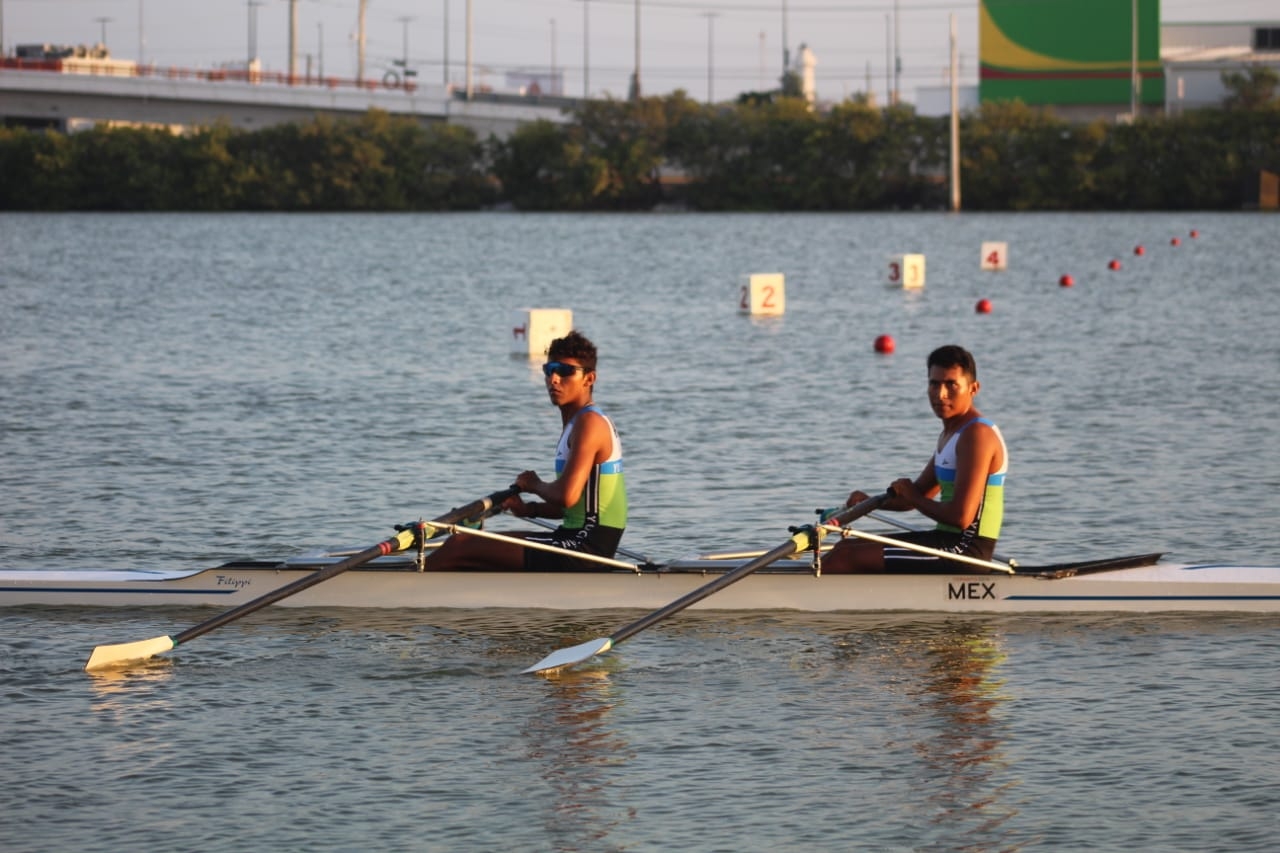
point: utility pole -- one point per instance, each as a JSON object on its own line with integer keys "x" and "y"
{"x": 293, "y": 41}
{"x": 470, "y": 90}
{"x": 360, "y": 41}
{"x": 586, "y": 49}
{"x": 711, "y": 47}
{"x": 955, "y": 119}
{"x": 142, "y": 42}
{"x": 320, "y": 50}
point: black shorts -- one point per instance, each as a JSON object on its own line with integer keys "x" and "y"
{"x": 906, "y": 560}
{"x": 599, "y": 542}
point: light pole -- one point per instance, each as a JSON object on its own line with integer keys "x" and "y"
{"x": 897, "y": 58}
{"x": 103, "y": 23}
{"x": 635, "y": 77}
{"x": 711, "y": 31}
{"x": 786, "y": 51}
{"x": 1135, "y": 82}
{"x": 404, "y": 25}
{"x": 253, "y": 33}
{"x": 446, "y": 43}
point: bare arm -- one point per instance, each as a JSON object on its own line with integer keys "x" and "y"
{"x": 978, "y": 454}
{"x": 590, "y": 444}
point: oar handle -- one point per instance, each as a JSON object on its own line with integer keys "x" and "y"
{"x": 401, "y": 541}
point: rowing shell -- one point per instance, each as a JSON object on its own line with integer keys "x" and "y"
{"x": 1141, "y": 583}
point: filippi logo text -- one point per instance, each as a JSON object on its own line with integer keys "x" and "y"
{"x": 971, "y": 591}
{"x": 238, "y": 583}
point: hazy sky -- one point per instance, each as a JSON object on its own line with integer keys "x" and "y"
{"x": 850, "y": 39}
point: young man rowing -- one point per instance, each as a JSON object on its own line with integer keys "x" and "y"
{"x": 589, "y": 492}
{"x": 966, "y": 473}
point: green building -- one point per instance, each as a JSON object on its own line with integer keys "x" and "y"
{"x": 1076, "y": 56}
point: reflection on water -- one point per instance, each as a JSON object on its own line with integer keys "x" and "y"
{"x": 574, "y": 743}
{"x": 949, "y": 679}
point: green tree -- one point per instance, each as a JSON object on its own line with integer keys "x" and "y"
{"x": 1251, "y": 89}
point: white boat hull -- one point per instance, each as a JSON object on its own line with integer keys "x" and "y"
{"x": 789, "y": 585}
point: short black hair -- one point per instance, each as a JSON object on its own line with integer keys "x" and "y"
{"x": 574, "y": 345}
{"x": 953, "y": 355}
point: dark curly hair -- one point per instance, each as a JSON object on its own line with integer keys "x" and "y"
{"x": 574, "y": 345}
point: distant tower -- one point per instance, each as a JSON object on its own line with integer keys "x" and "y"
{"x": 806, "y": 62}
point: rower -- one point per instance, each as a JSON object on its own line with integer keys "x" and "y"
{"x": 961, "y": 487}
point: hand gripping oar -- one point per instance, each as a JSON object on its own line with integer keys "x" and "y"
{"x": 104, "y": 656}
{"x": 799, "y": 542}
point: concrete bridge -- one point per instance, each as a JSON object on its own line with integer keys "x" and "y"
{"x": 44, "y": 94}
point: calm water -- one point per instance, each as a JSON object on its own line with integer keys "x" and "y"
{"x": 181, "y": 390}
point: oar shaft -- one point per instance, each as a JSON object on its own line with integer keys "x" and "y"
{"x": 888, "y": 519}
{"x": 541, "y": 546}
{"x": 631, "y": 555}
{"x": 798, "y": 542}
{"x": 934, "y": 552}
{"x": 791, "y": 546}
{"x": 399, "y": 542}
{"x": 108, "y": 655}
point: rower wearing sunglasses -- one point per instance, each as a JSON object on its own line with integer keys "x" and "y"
{"x": 588, "y": 494}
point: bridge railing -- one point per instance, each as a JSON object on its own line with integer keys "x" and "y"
{"x": 118, "y": 68}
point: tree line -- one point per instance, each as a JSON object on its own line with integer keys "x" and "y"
{"x": 762, "y": 153}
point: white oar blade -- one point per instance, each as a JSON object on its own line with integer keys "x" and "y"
{"x": 122, "y": 653}
{"x": 574, "y": 654}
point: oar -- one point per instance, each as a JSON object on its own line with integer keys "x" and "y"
{"x": 888, "y": 519}
{"x": 799, "y": 542}
{"x": 551, "y": 525}
{"x": 538, "y": 546}
{"x": 104, "y": 656}
{"x": 934, "y": 552}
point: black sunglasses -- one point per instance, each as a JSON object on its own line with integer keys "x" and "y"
{"x": 559, "y": 368}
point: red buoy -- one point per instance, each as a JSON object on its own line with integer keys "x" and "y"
{"x": 1114, "y": 265}
{"x": 1194, "y": 233}
{"x": 1175, "y": 242}
{"x": 1139, "y": 250}
{"x": 884, "y": 344}
{"x": 983, "y": 306}
{"x": 1066, "y": 281}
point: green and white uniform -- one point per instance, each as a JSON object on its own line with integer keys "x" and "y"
{"x": 595, "y": 523}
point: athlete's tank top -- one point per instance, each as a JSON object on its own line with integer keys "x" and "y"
{"x": 991, "y": 510}
{"x": 604, "y": 498}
